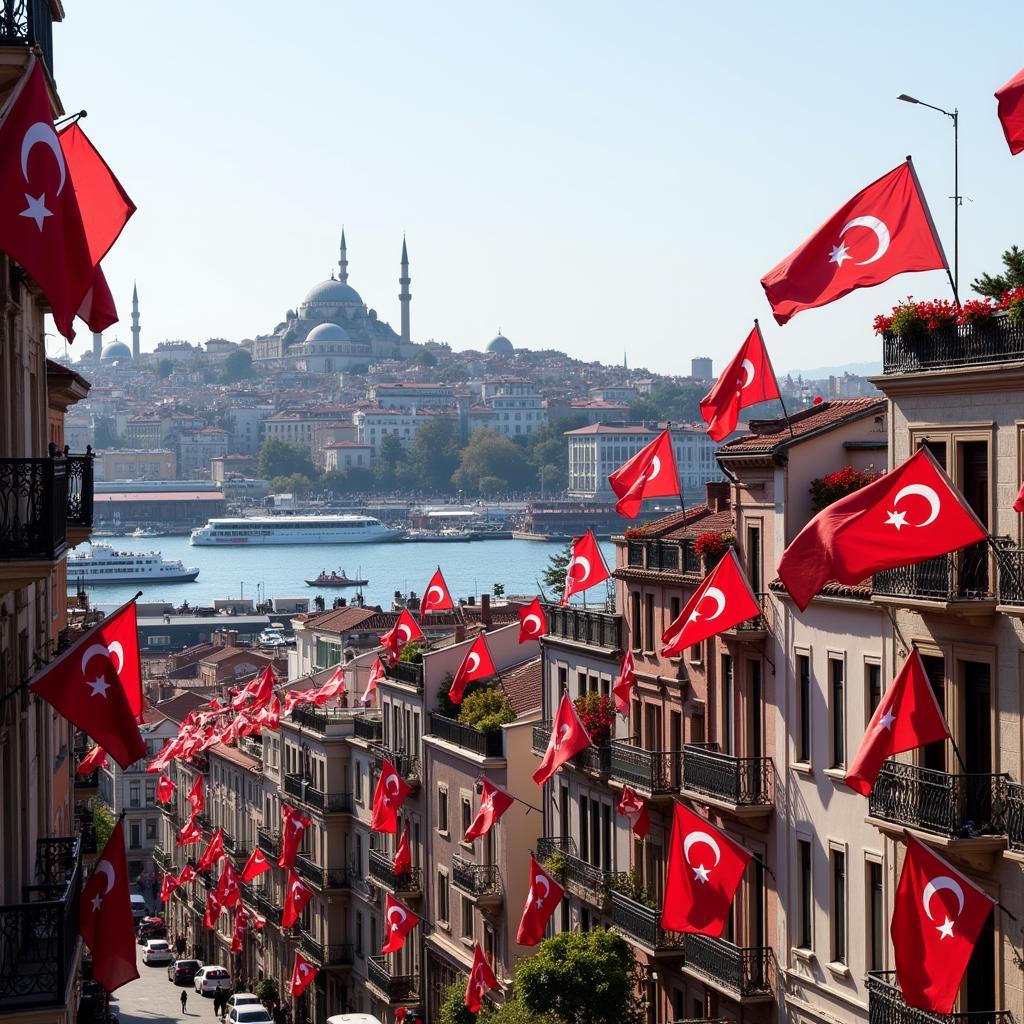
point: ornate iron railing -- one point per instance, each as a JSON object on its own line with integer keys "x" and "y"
{"x": 593, "y": 759}
{"x": 1011, "y": 576}
{"x": 583, "y": 879}
{"x": 655, "y": 771}
{"x": 33, "y": 508}
{"x": 643, "y": 924}
{"x": 407, "y": 765}
{"x": 486, "y": 744}
{"x": 396, "y": 988}
{"x": 161, "y": 859}
{"x": 369, "y": 728}
{"x": 311, "y": 948}
{"x": 756, "y": 623}
{"x": 28, "y": 23}
{"x": 955, "y": 806}
{"x": 339, "y": 954}
{"x": 265, "y": 906}
{"x": 744, "y": 781}
{"x": 958, "y": 576}
{"x": 320, "y": 719}
{"x": 269, "y": 842}
{"x": 1015, "y": 816}
{"x": 382, "y": 870}
{"x": 1000, "y": 340}
{"x": 663, "y": 556}
{"x": 578, "y": 625}
{"x": 475, "y": 879}
{"x": 80, "y": 489}
{"x": 408, "y": 672}
{"x": 744, "y": 970}
{"x": 886, "y": 1006}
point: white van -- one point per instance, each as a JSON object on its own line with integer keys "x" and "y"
{"x": 139, "y": 908}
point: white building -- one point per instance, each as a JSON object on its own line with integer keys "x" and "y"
{"x": 373, "y": 425}
{"x": 518, "y": 408}
{"x": 197, "y": 447}
{"x": 412, "y": 396}
{"x": 247, "y": 427}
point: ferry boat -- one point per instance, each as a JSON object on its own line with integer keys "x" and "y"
{"x": 100, "y": 563}
{"x": 249, "y": 531}
{"x": 336, "y": 579}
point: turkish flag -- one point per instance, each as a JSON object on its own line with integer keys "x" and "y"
{"x": 214, "y": 851}
{"x": 1018, "y": 502}
{"x": 704, "y": 871}
{"x": 747, "y": 380}
{"x": 40, "y": 220}
{"x": 255, "y": 865}
{"x": 437, "y": 597}
{"x": 722, "y": 600}
{"x": 882, "y": 231}
{"x": 907, "y": 717}
{"x": 494, "y": 802}
{"x": 481, "y": 980}
{"x": 228, "y": 892}
{"x": 96, "y": 758}
{"x": 403, "y": 857}
{"x": 269, "y": 717}
{"x": 293, "y": 825}
{"x": 195, "y": 796}
{"x": 98, "y": 309}
{"x": 166, "y": 753}
{"x": 376, "y": 674}
{"x": 168, "y": 885}
{"x": 190, "y": 833}
{"x": 212, "y": 912}
{"x": 84, "y": 684}
{"x": 399, "y": 920}
{"x": 188, "y": 874}
{"x": 651, "y": 473}
{"x": 403, "y": 631}
{"x": 241, "y": 928}
{"x": 258, "y": 691}
{"x": 625, "y": 684}
{"x": 632, "y": 807}
{"x": 303, "y": 973}
{"x": 586, "y": 556}
{"x": 937, "y": 916}
{"x": 293, "y": 697}
{"x": 1011, "y": 112}
{"x": 533, "y": 623}
{"x": 389, "y": 795}
{"x": 334, "y": 687}
{"x": 568, "y": 737}
{"x": 105, "y": 916}
{"x": 165, "y": 789}
{"x": 477, "y": 664}
{"x": 906, "y": 516}
{"x": 295, "y": 900}
{"x": 541, "y": 901}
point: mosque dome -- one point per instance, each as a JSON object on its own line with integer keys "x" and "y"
{"x": 328, "y": 332}
{"x": 500, "y": 344}
{"x": 332, "y": 293}
{"x": 116, "y": 352}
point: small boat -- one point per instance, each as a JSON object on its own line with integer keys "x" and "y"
{"x": 144, "y": 531}
{"x": 335, "y": 579}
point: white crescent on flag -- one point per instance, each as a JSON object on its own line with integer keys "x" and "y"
{"x": 532, "y": 617}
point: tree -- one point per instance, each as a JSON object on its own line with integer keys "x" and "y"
{"x": 164, "y": 368}
{"x": 993, "y": 285}
{"x": 103, "y": 822}
{"x": 558, "y": 566}
{"x": 670, "y": 401}
{"x": 582, "y": 978}
{"x": 105, "y": 433}
{"x": 297, "y": 483}
{"x": 392, "y": 464}
{"x": 435, "y": 453}
{"x": 237, "y": 366}
{"x": 266, "y": 991}
{"x": 282, "y": 458}
{"x": 492, "y": 464}
{"x": 425, "y": 358}
{"x": 351, "y": 480}
{"x": 453, "y": 1006}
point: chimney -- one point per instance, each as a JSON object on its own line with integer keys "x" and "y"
{"x": 485, "y": 610}
{"x": 460, "y": 632}
{"x": 231, "y": 638}
{"x": 717, "y": 495}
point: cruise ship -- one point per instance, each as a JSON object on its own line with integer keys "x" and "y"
{"x": 244, "y": 532}
{"x": 100, "y": 563}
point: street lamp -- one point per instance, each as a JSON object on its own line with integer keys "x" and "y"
{"x": 957, "y": 198}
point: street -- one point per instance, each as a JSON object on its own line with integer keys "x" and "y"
{"x": 153, "y": 998}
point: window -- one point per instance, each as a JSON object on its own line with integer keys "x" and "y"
{"x": 805, "y": 895}
{"x": 634, "y": 618}
{"x": 442, "y": 896}
{"x": 134, "y": 795}
{"x": 876, "y": 918}
{"x": 838, "y": 859}
{"x": 873, "y": 685}
{"x": 467, "y": 919}
{"x": 837, "y": 711}
{"x": 650, "y": 641}
{"x": 467, "y": 814}
{"x": 151, "y": 830}
{"x": 674, "y": 609}
{"x": 442, "y": 810}
{"x": 359, "y": 933}
{"x": 803, "y": 697}
{"x": 726, "y": 740}
{"x": 150, "y": 794}
{"x": 135, "y": 837}
{"x": 581, "y": 683}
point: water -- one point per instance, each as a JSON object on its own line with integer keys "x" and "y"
{"x": 470, "y": 567}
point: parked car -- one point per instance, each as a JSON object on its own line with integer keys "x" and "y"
{"x": 272, "y": 638}
{"x": 243, "y": 999}
{"x": 151, "y": 928}
{"x": 210, "y": 978}
{"x": 157, "y": 951}
{"x": 183, "y": 972}
{"x": 249, "y": 1015}
{"x": 139, "y": 908}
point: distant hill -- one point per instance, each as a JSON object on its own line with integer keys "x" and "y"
{"x": 860, "y": 369}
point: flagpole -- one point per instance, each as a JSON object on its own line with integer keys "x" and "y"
{"x": 782, "y": 401}
{"x": 935, "y": 233}
{"x": 682, "y": 503}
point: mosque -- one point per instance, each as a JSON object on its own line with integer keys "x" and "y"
{"x": 116, "y": 353}
{"x": 333, "y": 329}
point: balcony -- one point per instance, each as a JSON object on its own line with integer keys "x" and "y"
{"x": 581, "y": 878}
{"x": 486, "y": 744}
{"x": 382, "y": 874}
{"x": 661, "y": 556}
{"x": 323, "y": 721}
{"x": 369, "y": 728}
{"x": 407, "y": 765}
{"x": 1011, "y": 580}
{"x": 264, "y": 906}
{"x": 957, "y": 583}
{"x": 886, "y": 1006}
{"x": 743, "y": 973}
{"x": 1000, "y": 341}
{"x": 269, "y": 842}
{"x": 39, "y": 936}
{"x": 322, "y": 878}
{"x": 410, "y": 673}
{"x": 642, "y": 925}
{"x": 161, "y": 859}
{"x": 80, "y": 496}
{"x": 1015, "y": 817}
{"x": 753, "y": 629}
{"x": 393, "y": 988}
{"x": 587, "y": 628}
{"x": 595, "y": 759}
{"x": 656, "y": 773}
{"x": 740, "y": 785}
{"x": 28, "y": 23}
{"x": 481, "y": 882}
{"x": 33, "y": 518}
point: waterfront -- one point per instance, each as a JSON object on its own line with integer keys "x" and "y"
{"x": 469, "y": 568}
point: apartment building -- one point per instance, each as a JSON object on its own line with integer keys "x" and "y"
{"x": 118, "y": 464}
{"x": 518, "y": 407}
{"x": 196, "y": 448}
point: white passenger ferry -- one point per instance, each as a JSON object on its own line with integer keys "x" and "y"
{"x": 100, "y": 563}
{"x": 293, "y": 530}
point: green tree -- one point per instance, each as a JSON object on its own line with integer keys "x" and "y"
{"x": 488, "y": 709}
{"x": 582, "y": 978}
{"x": 993, "y": 285}
{"x": 558, "y": 566}
{"x": 266, "y": 990}
{"x": 492, "y": 464}
{"x": 297, "y": 483}
{"x": 237, "y": 366}
{"x": 392, "y": 469}
{"x": 435, "y": 453}
{"x": 513, "y": 1012}
{"x": 103, "y": 822}
{"x": 282, "y": 458}
{"x": 352, "y": 480}
{"x": 425, "y": 358}
{"x": 164, "y": 368}
{"x": 453, "y": 1006}
{"x": 105, "y": 434}
{"x": 670, "y": 401}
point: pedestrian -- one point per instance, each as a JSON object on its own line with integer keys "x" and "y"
{"x": 184, "y": 1000}
{"x": 218, "y": 999}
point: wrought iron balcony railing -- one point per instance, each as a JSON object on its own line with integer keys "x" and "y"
{"x": 745, "y": 971}
{"x": 322, "y": 878}
{"x": 743, "y": 781}
{"x": 311, "y": 948}
{"x": 581, "y": 626}
{"x": 581, "y": 878}
{"x": 954, "y": 806}
{"x": 269, "y": 842}
{"x": 408, "y": 672}
{"x": 28, "y": 23}
{"x": 643, "y": 924}
{"x": 886, "y": 1006}
{"x": 368, "y": 727}
{"x": 396, "y": 988}
{"x": 486, "y": 744}
{"x": 382, "y": 871}
{"x": 33, "y": 509}
{"x": 477, "y": 880}
{"x": 657, "y": 772}
{"x": 80, "y": 489}
{"x": 1011, "y": 576}
{"x": 593, "y": 759}
{"x": 999, "y": 341}
{"x": 663, "y": 556}
{"x": 958, "y": 576}
{"x": 161, "y": 859}
{"x": 755, "y": 624}
{"x": 321, "y": 720}
{"x": 1015, "y": 816}
{"x": 339, "y": 954}
{"x": 407, "y": 765}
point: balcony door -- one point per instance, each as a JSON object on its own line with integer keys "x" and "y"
{"x": 977, "y": 748}
{"x": 934, "y": 754}
{"x": 978, "y": 994}
{"x": 755, "y": 699}
{"x": 652, "y": 739}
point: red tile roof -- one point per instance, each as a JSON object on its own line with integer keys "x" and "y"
{"x": 522, "y": 686}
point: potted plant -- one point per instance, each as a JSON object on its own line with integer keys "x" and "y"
{"x": 1013, "y": 303}
{"x": 712, "y": 546}
{"x": 486, "y": 710}
{"x": 597, "y": 713}
{"x": 978, "y": 313}
{"x": 554, "y": 864}
{"x": 833, "y": 486}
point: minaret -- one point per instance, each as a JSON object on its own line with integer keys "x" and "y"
{"x": 136, "y": 330}
{"x": 405, "y": 296}
{"x": 343, "y": 261}
{"x": 97, "y": 345}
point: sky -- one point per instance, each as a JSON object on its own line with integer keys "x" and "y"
{"x": 594, "y": 177}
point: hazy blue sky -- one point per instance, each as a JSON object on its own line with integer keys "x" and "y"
{"x": 587, "y": 175}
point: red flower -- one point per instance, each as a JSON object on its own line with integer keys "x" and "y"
{"x": 976, "y": 311}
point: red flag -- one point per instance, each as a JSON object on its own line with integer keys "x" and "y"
{"x": 168, "y": 885}
{"x": 1018, "y": 502}
{"x": 241, "y": 927}
{"x": 169, "y": 750}
{"x": 293, "y": 697}
{"x": 334, "y": 687}
{"x": 722, "y": 600}
{"x": 105, "y": 916}
{"x": 190, "y": 833}
{"x": 303, "y": 973}
{"x": 403, "y": 857}
{"x": 404, "y": 630}
{"x": 533, "y": 623}
{"x": 84, "y": 683}
{"x": 188, "y": 874}
{"x": 165, "y": 789}
{"x": 704, "y": 871}
{"x": 481, "y": 980}
{"x": 269, "y": 717}
{"x": 747, "y": 380}
{"x": 399, "y": 920}
{"x": 195, "y": 796}
{"x": 437, "y": 597}
{"x": 541, "y": 902}
{"x": 212, "y": 912}
{"x": 258, "y": 691}
{"x": 96, "y": 758}
{"x": 494, "y": 802}
{"x": 477, "y": 664}
{"x": 228, "y": 892}
{"x": 214, "y": 851}
{"x": 1011, "y": 112}
{"x": 255, "y": 865}
{"x": 882, "y": 231}
{"x": 911, "y": 514}
{"x": 293, "y": 825}
{"x": 937, "y": 916}
{"x": 376, "y": 674}
{"x": 295, "y": 900}
{"x": 651, "y": 473}
{"x": 98, "y": 308}
{"x": 586, "y": 556}
{"x": 389, "y": 795}
{"x": 625, "y": 684}
{"x": 633, "y": 808}
{"x": 907, "y": 717}
{"x": 568, "y": 737}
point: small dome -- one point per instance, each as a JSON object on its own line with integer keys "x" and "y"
{"x": 327, "y": 332}
{"x": 116, "y": 352}
{"x": 500, "y": 344}
{"x": 332, "y": 293}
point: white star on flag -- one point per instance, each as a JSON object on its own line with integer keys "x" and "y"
{"x": 36, "y": 209}
{"x": 99, "y": 686}
{"x": 839, "y": 253}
